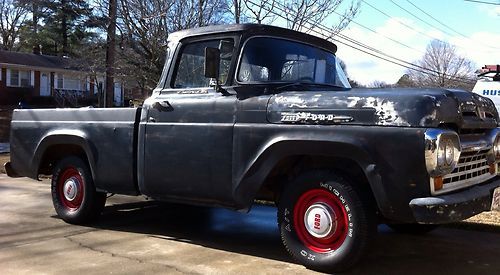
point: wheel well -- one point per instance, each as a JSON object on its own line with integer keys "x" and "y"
{"x": 290, "y": 167}
{"x": 55, "y": 153}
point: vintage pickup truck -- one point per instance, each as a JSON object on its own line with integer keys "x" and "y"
{"x": 254, "y": 112}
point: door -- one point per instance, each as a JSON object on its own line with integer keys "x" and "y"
{"x": 44, "y": 84}
{"x": 117, "y": 97}
{"x": 189, "y": 134}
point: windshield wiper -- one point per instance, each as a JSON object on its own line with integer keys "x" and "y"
{"x": 306, "y": 85}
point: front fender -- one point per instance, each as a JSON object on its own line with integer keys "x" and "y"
{"x": 391, "y": 159}
{"x": 255, "y": 173}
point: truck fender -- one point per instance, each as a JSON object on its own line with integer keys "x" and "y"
{"x": 64, "y": 137}
{"x": 249, "y": 183}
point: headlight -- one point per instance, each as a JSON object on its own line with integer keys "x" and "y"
{"x": 496, "y": 148}
{"x": 442, "y": 151}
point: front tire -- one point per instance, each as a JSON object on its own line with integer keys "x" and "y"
{"x": 73, "y": 193}
{"x": 324, "y": 223}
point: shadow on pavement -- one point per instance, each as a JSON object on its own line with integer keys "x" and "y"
{"x": 444, "y": 250}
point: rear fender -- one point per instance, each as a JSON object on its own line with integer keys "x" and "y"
{"x": 64, "y": 137}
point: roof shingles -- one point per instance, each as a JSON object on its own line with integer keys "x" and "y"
{"x": 37, "y": 60}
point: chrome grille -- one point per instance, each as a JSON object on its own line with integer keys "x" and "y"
{"x": 472, "y": 168}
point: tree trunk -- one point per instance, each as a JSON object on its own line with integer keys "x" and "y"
{"x": 200, "y": 13}
{"x": 64, "y": 27}
{"x": 236, "y": 11}
{"x": 110, "y": 54}
{"x": 35, "y": 18}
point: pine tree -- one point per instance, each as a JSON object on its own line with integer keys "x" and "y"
{"x": 59, "y": 26}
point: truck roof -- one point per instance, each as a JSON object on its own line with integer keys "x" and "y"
{"x": 254, "y": 30}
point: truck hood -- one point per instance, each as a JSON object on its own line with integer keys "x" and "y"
{"x": 388, "y": 107}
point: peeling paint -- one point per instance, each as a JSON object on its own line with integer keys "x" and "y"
{"x": 426, "y": 120}
{"x": 384, "y": 109}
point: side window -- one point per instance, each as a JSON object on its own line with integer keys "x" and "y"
{"x": 192, "y": 61}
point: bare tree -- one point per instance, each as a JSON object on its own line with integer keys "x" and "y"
{"x": 404, "y": 82}
{"x": 379, "y": 84}
{"x": 111, "y": 52}
{"x": 444, "y": 67}
{"x": 12, "y": 16}
{"x": 236, "y": 9}
{"x": 308, "y": 14}
{"x": 144, "y": 25}
{"x": 259, "y": 12}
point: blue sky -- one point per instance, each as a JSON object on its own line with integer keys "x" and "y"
{"x": 475, "y": 31}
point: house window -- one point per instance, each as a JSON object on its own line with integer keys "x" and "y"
{"x": 14, "y": 77}
{"x": 71, "y": 83}
{"x": 68, "y": 82}
{"x": 19, "y": 78}
{"x": 25, "y": 78}
{"x": 60, "y": 81}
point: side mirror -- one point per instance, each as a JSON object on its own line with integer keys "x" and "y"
{"x": 212, "y": 61}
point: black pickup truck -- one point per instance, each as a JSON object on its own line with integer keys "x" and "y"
{"x": 254, "y": 112}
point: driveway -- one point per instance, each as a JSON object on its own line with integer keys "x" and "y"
{"x": 138, "y": 236}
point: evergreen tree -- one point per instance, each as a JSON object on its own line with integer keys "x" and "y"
{"x": 58, "y": 26}
{"x": 67, "y": 19}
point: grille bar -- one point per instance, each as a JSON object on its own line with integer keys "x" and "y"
{"x": 465, "y": 164}
{"x": 469, "y": 172}
{"x": 472, "y": 168}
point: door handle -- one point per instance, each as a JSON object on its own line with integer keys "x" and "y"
{"x": 163, "y": 106}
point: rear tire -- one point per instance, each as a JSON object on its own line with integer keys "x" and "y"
{"x": 324, "y": 223}
{"x": 413, "y": 228}
{"x": 73, "y": 192}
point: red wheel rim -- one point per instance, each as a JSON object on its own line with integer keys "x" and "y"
{"x": 70, "y": 188}
{"x": 320, "y": 220}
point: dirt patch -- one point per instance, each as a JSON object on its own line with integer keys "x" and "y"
{"x": 486, "y": 218}
{"x": 3, "y": 159}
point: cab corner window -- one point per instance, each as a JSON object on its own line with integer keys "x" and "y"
{"x": 190, "y": 68}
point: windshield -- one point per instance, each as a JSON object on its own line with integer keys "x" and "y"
{"x": 273, "y": 60}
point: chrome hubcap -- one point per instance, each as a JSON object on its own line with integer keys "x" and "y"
{"x": 70, "y": 189}
{"x": 319, "y": 220}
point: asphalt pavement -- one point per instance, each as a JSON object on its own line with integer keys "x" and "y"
{"x": 136, "y": 236}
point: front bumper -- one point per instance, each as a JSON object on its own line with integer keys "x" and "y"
{"x": 454, "y": 207}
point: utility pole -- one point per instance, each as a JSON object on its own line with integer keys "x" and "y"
{"x": 110, "y": 54}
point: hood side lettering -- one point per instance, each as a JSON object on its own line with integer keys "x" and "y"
{"x": 306, "y": 117}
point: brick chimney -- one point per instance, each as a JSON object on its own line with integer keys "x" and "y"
{"x": 37, "y": 49}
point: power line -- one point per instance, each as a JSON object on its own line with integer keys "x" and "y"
{"x": 395, "y": 60}
{"x": 385, "y": 36}
{"x": 483, "y": 2}
{"x": 420, "y": 19}
{"x": 366, "y": 49}
{"x": 446, "y": 26}
{"x": 420, "y": 32}
{"x": 401, "y": 23}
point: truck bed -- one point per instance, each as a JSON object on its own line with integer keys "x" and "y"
{"x": 108, "y": 136}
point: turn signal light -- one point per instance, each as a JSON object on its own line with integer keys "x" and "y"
{"x": 493, "y": 169}
{"x": 438, "y": 183}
